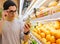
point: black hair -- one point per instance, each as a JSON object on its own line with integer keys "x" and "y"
{"x": 7, "y": 4}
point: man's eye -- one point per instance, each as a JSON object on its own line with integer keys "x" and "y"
{"x": 11, "y": 11}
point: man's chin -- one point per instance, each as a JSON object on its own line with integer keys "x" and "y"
{"x": 10, "y": 19}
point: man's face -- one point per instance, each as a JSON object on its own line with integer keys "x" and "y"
{"x": 11, "y": 12}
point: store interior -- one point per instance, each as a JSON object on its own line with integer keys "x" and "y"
{"x": 44, "y": 18}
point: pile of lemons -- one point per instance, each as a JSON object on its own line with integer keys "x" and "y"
{"x": 48, "y": 33}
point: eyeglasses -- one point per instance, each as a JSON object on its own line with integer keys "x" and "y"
{"x": 11, "y": 11}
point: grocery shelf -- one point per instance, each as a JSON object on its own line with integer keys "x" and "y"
{"x": 49, "y": 17}
{"x": 35, "y": 38}
{"x": 32, "y": 3}
{"x": 36, "y": 5}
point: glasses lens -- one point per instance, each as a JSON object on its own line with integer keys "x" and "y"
{"x": 12, "y": 11}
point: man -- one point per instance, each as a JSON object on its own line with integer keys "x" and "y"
{"x": 12, "y": 28}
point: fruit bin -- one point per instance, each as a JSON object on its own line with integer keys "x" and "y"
{"x": 37, "y": 41}
{"x": 46, "y": 31}
{"x": 32, "y": 40}
{"x": 45, "y": 12}
{"x": 47, "y": 19}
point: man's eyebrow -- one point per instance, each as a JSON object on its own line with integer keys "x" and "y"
{"x": 13, "y": 10}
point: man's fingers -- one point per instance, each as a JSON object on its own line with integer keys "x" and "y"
{"x": 27, "y": 26}
{"x": 25, "y": 29}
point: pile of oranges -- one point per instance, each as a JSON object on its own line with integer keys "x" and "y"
{"x": 48, "y": 33}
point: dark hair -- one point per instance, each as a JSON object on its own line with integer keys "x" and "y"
{"x": 7, "y": 4}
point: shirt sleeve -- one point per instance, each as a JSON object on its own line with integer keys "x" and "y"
{"x": 21, "y": 29}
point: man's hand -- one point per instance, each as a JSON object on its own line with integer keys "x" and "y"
{"x": 26, "y": 32}
{"x": 4, "y": 14}
{"x": 26, "y": 28}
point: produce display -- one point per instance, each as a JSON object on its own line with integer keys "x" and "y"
{"x": 47, "y": 33}
{"x": 31, "y": 41}
{"x": 52, "y": 8}
{"x": 53, "y": 3}
{"x": 43, "y": 7}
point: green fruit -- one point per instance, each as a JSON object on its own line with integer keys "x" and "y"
{"x": 34, "y": 42}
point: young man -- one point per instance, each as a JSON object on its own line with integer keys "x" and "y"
{"x": 12, "y": 28}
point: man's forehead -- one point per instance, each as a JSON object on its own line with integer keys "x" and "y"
{"x": 12, "y": 8}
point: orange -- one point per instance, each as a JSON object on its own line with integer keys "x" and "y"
{"x": 56, "y": 24}
{"x": 53, "y": 32}
{"x": 44, "y": 40}
{"x": 42, "y": 35}
{"x": 45, "y": 31}
{"x": 51, "y": 28}
{"x": 53, "y": 43}
{"x": 48, "y": 43}
{"x": 37, "y": 27}
{"x": 58, "y": 41}
{"x": 57, "y": 35}
{"x": 37, "y": 35}
{"x": 35, "y": 30}
{"x": 39, "y": 32}
{"x": 48, "y": 37}
{"x": 52, "y": 39}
